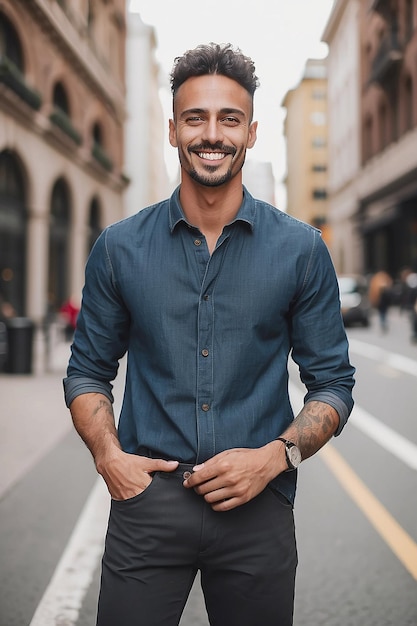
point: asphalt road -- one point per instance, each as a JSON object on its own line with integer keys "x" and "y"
{"x": 356, "y": 511}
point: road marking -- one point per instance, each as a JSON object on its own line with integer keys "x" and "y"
{"x": 396, "y": 361}
{"x": 392, "y": 533}
{"x": 62, "y": 600}
{"x": 389, "y": 439}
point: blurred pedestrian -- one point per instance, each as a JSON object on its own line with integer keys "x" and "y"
{"x": 380, "y": 296}
{"x": 411, "y": 302}
{"x": 208, "y": 292}
{"x": 69, "y": 313}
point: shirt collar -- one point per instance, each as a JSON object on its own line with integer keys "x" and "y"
{"x": 246, "y": 213}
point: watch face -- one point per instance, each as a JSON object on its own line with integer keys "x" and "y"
{"x": 294, "y": 456}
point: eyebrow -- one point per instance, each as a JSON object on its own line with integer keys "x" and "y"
{"x": 224, "y": 111}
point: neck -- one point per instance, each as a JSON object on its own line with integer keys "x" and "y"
{"x": 211, "y": 208}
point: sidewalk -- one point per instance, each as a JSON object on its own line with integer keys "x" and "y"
{"x": 33, "y": 416}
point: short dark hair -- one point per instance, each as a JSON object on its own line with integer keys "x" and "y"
{"x": 215, "y": 59}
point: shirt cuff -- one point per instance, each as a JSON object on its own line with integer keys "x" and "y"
{"x": 76, "y": 386}
{"x": 338, "y": 405}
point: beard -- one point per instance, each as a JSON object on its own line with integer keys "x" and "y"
{"x": 210, "y": 179}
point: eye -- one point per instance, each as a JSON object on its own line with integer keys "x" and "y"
{"x": 230, "y": 121}
{"x": 194, "y": 119}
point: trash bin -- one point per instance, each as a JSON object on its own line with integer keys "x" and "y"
{"x": 19, "y": 345}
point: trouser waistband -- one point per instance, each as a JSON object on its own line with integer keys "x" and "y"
{"x": 183, "y": 468}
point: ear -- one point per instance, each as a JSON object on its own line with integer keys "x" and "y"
{"x": 252, "y": 135}
{"x": 172, "y": 134}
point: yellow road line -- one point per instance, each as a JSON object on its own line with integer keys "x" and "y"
{"x": 398, "y": 540}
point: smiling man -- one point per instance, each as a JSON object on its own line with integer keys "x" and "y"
{"x": 208, "y": 292}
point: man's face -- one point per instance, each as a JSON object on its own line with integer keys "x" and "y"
{"x": 212, "y": 128}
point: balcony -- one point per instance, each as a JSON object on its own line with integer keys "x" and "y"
{"x": 387, "y": 62}
{"x": 11, "y": 76}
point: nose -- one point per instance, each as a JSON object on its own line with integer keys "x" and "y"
{"x": 213, "y": 131}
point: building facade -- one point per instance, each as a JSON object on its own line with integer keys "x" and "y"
{"x": 387, "y": 183}
{"x": 305, "y": 131}
{"x": 62, "y": 115}
{"x": 344, "y": 125}
{"x": 146, "y": 129}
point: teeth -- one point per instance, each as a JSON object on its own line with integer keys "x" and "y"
{"x": 211, "y": 156}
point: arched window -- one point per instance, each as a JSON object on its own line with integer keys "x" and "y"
{"x": 59, "y": 232}
{"x": 94, "y": 223}
{"x": 409, "y": 103}
{"x": 98, "y": 135}
{"x": 10, "y": 46}
{"x": 98, "y": 149}
{"x": 13, "y": 226}
{"x": 60, "y": 99}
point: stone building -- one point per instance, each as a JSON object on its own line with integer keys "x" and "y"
{"x": 387, "y": 183}
{"x": 62, "y": 115}
{"x": 372, "y": 86}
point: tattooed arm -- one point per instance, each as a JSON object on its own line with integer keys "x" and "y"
{"x": 235, "y": 476}
{"x": 313, "y": 427}
{"x": 126, "y": 475}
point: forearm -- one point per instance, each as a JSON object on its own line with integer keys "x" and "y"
{"x": 313, "y": 427}
{"x": 93, "y": 418}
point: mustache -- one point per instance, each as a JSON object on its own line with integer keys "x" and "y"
{"x": 213, "y": 147}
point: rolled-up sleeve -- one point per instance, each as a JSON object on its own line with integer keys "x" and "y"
{"x": 320, "y": 346}
{"x": 102, "y": 331}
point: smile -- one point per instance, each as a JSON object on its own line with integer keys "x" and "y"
{"x": 212, "y": 156}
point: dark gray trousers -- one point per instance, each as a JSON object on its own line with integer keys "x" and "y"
{"x": 157, "y": 541}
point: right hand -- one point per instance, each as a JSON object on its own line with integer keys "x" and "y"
{"x": 127, "y": 475}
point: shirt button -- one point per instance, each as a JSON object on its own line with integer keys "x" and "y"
{"x": 205, "y": 352}
{"x": 205, "y": 407}
{"x": 197, "y": 242}
{"x": 206, "y": 297}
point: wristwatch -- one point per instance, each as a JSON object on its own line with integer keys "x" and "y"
{"x": 292, "y": 453}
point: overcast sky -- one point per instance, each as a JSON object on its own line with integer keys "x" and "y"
{"x": 279, "y": 35}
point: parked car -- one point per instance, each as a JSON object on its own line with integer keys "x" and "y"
{"x": 354, "y": 301}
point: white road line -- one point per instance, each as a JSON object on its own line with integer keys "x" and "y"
{"x": 376, "y": 430}
{"x": 62, "y": 600}
{"x": 397, "y": 361}
{"x": 399, "y": 446}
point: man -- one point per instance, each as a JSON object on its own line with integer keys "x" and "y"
{"x": 208, "y": 292}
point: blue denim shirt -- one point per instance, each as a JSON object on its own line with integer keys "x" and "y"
{"x": 208, "y": 337}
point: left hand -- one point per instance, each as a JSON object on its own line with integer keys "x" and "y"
{"x": 233, "y": 477}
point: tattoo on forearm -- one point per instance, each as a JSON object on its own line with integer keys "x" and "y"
{"x": 103, "y": 404}
{"x": 315, "y": 426}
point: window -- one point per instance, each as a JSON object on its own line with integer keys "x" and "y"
{"x": 13, "y": 224}
{"x": 10, "y": 46}
{"x": 319, "y": 142}
{"x": 318, "y": 94}
{"x": 60, "y": 99}
{"x": 319, "y": 194}
{"x": 94, "y": 228}
{"x": 408, "y": 103}
{"x": 59, "y": 243}
{"x": 318, "y": 118}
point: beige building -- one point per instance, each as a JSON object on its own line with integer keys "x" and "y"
{"x": 62, "y": 115}
{"x": 305, "y": 131}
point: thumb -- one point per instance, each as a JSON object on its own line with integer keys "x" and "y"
{"x": 160, "y": 465}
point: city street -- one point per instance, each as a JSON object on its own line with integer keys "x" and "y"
{"x": 356, "y": 512}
